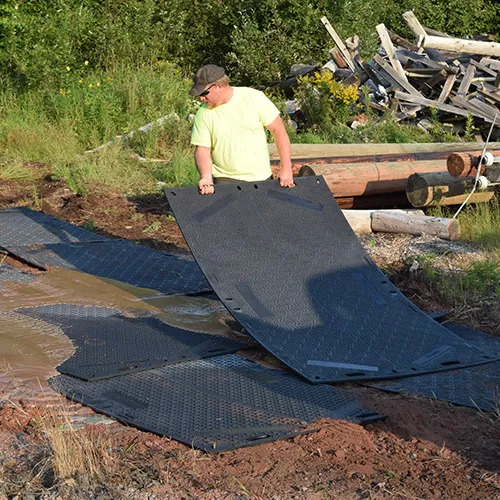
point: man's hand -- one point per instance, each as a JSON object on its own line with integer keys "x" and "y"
{"x": 206, "y": 185}
{"x": 286, "y": 177}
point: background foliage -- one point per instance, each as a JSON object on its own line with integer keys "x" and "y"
{"x": 256, "y": 40}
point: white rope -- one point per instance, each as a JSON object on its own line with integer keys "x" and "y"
{"x": 478, "y": 172}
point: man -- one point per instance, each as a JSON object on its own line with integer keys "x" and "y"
{"x": 229, "y": 136}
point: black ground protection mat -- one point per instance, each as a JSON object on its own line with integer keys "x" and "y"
{"x": 287, "y": 265}
{"x": 109, "y": 344}
{"x": 215, "y": 404}
{"x": 9, "y": 273}
{"x": 22, "y": 226}
{"x": 120, "y": 260}
{"x": 478, "y": 386}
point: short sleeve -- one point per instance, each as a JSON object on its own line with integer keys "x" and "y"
{"x": 200, "y": 135}
{"x": 268, "y": 112}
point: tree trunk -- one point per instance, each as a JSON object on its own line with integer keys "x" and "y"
{"x": 360, "y": 179}
{"x": 432, "y": 189}
{"x": 361, "y": 220}
{"x": 394, "y": 222}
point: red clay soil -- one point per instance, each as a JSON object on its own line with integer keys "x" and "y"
{"x": 423, "y": 450}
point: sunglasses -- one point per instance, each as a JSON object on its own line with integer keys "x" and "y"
{"x": 206, "y": 91}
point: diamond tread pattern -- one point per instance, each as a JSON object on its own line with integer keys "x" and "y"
{"x": 287, "y": 265}
{"x": 477, "y": 387}
{"x": 22, "y": 226}
{"x": 109, "y": 344}
{"x": 9, "y": 273}
{"x": 216, "y": 404}
{"x": 121, "y": 260}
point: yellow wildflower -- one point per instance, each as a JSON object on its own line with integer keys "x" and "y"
{"x": 98, "y": 84}
{"x": 86, "y": 63}
{"x": 68, "y": 68}
{"x": 90, "y": 85}
{"x": 81, "y": 80}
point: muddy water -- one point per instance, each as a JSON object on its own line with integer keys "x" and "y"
{"x": 31, "y": 349}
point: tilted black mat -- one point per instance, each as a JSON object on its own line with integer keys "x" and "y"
{"x": 478, "y": 386}
{"x": 123, "y": 261}
{"x": 216, "y": 404}
{"x": 486, "y": 342}
{"x": 9, "y": 273}
{"x": 287, "y": 265}
{"x": 109, "y": 344}
{"x": 22, "y": 226}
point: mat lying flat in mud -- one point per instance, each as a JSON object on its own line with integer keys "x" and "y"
{"x": 9, "y": 273}
{"x": 109, "y": 344}
{"x": 478, "y": 387}
{"x": 120, "y": 260}
{"x": 288, "y": 266}
{"x": 216, "y": 404}
{"x": 22, "y": 226}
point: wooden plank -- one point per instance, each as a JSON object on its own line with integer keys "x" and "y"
{"x": 430, "y": 103}
{"x": 466, "y": 81}
{"x": 403, "y": 83}
{"x": 483, "y": 68}
{"x": 423, "y": 59}
{"x": 307, "y": 151}
{"x": 385, "y": 40}
{"x": 493, "y": 96}
{"x": 486, "y": 108}
{"x": 491, "y": 63}
{"x": 473, "y": 110}
{"x": 434, "y": 81}
{"x": 448, "y": 85}
{"x": 339, "y": 43}
{"x": 460, "y": 45}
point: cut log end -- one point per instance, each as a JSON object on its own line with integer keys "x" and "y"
{"x": 463, "y": 165}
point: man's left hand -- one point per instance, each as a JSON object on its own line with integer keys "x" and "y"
{"x": 286, "y": 178}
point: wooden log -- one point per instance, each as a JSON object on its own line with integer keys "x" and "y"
{"x": 459, "y": 45}
{"x": 393, "y": 222}
{"x": 440, "y": 188}
{"x": 361, "y": 179}
{"x": 305, "y": 151}
{"x": 463, "y": 165}
{"x": 361, "y": 220}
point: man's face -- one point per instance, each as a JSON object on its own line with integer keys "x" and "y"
{"x": 210, "y": 95}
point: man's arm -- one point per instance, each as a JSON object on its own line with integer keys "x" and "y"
{"x": 204, "y": 165}
{"x": 282, "y": 142}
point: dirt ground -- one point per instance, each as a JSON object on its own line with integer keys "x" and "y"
{"x": 424, "y": 449}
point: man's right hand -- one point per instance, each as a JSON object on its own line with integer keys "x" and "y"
{"x": 206, "y": 186}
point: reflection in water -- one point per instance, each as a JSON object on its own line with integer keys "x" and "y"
{"x": 30, "y": 349}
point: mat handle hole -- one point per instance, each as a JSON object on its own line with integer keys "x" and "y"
{"x": 393, "y": 292}
{"x": 354, "y": 374}
{"x": 255, "y": 186}
{"x": 238, "y": 188}
{"x": 237, "y": 308}
{"x": 173, "y": 194}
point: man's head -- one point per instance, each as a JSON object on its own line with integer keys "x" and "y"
{"x": 211, "y": 85}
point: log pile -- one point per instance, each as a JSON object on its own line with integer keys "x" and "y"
{"x": 457, "y": 77}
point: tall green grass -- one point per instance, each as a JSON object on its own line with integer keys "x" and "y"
{"x": 59, "y": 123}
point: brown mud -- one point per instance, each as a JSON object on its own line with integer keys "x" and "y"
{"x": 425, "y": 449}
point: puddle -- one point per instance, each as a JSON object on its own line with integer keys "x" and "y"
{"x": 30, "y": 349}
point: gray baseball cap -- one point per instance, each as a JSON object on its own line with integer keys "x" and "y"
{"x": 205, "y": 76}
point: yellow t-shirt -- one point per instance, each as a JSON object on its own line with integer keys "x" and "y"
{"x": 235, "y": 133}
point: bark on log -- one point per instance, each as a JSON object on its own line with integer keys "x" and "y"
{"x": 440, "y": 188}
{"x": 360, "y": 179}
{"x": 448, "y": 229}
{"x": 361, "y": 220}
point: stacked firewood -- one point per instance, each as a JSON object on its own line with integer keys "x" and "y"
{"x": 457, "y": 77}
